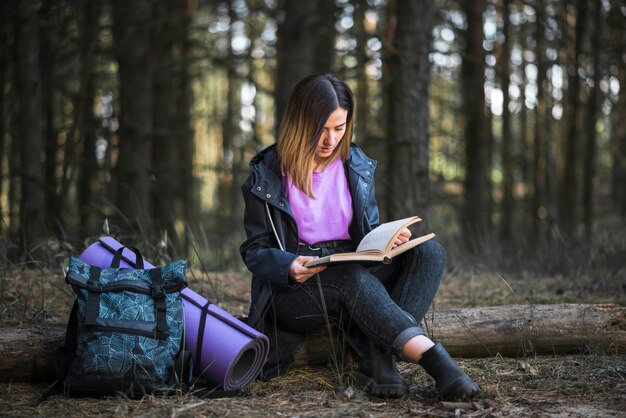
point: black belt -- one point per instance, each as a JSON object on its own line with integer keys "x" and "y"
{"x": 326, "y": 244}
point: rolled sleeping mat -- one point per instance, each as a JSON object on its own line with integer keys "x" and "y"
{"x": 100, "y": 254}
{"x": 227, "y": 352}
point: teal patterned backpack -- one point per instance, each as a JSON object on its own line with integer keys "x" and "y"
{"x": 125, "y": 332}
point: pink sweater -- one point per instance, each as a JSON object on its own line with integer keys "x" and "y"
{"x": 328, "y": 216}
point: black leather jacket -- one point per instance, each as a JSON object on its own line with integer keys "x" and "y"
{"x": 264, "y": 197}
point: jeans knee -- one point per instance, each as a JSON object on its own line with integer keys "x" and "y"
{"x": 363, "y": 279}
{"x": 356, "y": 278}
{"x": 433, "y": 249}
{"x": 433, "y": 253}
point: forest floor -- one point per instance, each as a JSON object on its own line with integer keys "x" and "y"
{"x": 582, "y": 385}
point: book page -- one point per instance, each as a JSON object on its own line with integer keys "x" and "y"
{"x": 410, "y": 244}
{"x": 380, "y": 238}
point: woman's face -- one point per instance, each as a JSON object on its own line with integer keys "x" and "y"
{"x": 332, "y": 134}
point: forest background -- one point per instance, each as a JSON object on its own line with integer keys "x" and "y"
{"x": 500, "y": 122}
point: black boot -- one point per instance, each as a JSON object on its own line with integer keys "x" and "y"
{"x": 378, "y": 376}
{"x": 451, "y": 382}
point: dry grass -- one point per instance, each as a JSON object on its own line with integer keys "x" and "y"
{"x": 544, "y": 386}
{"x": 581, "y": 385}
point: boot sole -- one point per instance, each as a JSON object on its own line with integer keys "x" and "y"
{"x": 462, "y": 389}
{"x": 381, "y": 390}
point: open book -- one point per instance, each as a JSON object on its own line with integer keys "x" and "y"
{"x": 377, "y": 245}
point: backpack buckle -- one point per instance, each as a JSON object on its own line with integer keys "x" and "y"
{"x": 94, "y": 286}
{"x": 158, "y": 291}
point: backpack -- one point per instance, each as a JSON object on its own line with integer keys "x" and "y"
{"x": 227, "y": 353}
{"x": 125, "y": 333}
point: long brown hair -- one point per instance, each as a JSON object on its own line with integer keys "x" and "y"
{"x": 311, "y": 102}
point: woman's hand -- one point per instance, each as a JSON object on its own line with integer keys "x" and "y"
{"x": 301, "y": 274}
{"x": 405, "y": 236}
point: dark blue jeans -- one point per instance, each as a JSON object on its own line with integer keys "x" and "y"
{"x": 383, "y": 303}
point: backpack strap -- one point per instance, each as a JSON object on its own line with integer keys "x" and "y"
{"x": 92, "y": 309}
{"x": 208, "y": 393}
{"x": 160, "y": 305}
{"x": 203, "y": 314}
{"x": 117, "y": 257}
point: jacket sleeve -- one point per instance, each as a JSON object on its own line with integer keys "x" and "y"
{"x": 371, "y": 209}
{"x": 260, "y": 251}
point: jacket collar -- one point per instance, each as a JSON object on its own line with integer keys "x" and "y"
{"x": 361, "y": 163}
{"x": 266, "y": 165}
{"x": 267, "y": 180}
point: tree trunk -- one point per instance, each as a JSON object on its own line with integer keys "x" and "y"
{"x": 324, "y": 39}
{"x": 618, "y": 139}
{"x": 5, "y": 26}
{"x": 514, "y": 330}
{"x": 475, "y": 134}
{"x": 49, "y": 111}
{"x": 306, "y": 45}
{"x": 362, "y": 88}
{"x": 183, "y": 119}
{"x": 379, "y": 147}
{"x": 228, "y": 189}
{"x": 569, "y": 204}
{"x": 526, "y": 151}
{"x": 592, "y": 115}
{"x": 408, "y": 138}
{"x": 294, "y": 50}
{"x": 88, "y": 166}
{"x": 32, "y": 208}
{"x": 134, "y": 52}
{"x": 164, "y": 149}
{"x": 14, "y": 164}
{"x": 540, "y": 153}
{"x": 506, "y": 226}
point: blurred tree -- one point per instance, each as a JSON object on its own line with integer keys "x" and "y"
{"x": 5, "y": 27}
{"x": 294, "y": 49}
{"x": 475, "y": 222}
{"x": 491, "y": 51}
{"x": 539, "y": 204}
{"x": 167, "y": 18}
{"x": 143, "y": 62}
{"x": 182, "y": 116}
{"x": 409, "y": 130}
{"x": 595, "y": 98}
{"x": 526, "y": 151}
{"x": 306, "y": 45}
{"x": 362, "y": 89}
{"x": 32, "y": 208}
{"x": 230, "y": 195}
{"x": 48, "y": 18}
{"x": 323, "y": 35}
{"x": 135, "y": 54}
{"x": 569, "y": 204}
{"x": 618, "y": 140}
{"x": 506, "y": 225}
{"x": 86, "y": 123}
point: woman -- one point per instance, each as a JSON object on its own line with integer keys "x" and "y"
{"x": 312, "y": 195}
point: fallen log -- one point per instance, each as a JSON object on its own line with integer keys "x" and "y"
{"x": 509, "y": 331}
{"x": 27, "y": 353}
{"x": 522, "y": 330}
